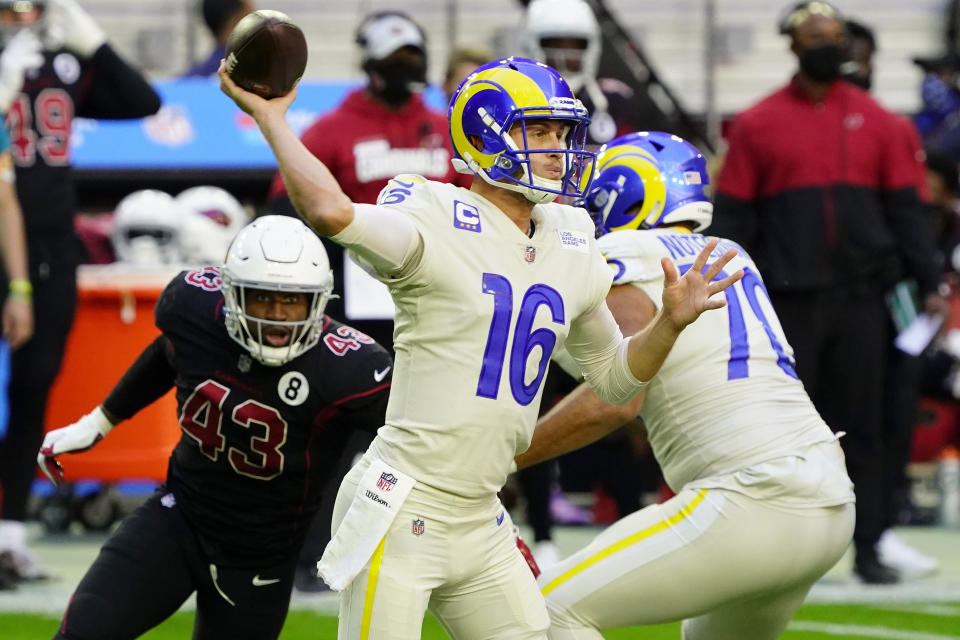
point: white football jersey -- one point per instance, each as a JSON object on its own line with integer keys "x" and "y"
{"x": 477, "y": 320}
{"x": 727, "y": 395}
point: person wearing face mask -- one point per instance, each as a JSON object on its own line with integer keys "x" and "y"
{"x": 820, "y": 187}
{"x": 378, "y": 131}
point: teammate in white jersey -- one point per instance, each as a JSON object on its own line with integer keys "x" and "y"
{"x": 763, "y": 504}
{"x": 487, "y": 283}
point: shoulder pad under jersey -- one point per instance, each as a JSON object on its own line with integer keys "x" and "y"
{"x": 191, "y": 297}
{"x": 634, "y": 256}
{"x": 402, "y": 189}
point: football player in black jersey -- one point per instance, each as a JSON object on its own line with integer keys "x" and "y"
{"x": 58, "y": 66}
{"x": 268, "y": 391}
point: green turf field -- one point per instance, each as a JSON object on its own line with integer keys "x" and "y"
{"x": 940, "y": 621}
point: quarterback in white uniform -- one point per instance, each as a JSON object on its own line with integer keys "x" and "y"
{"x": 763, "y": 504}
{"x": 488, "y": 283}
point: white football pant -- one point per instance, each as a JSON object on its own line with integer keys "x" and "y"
{"x": 731, "y": 567}
{"x": 457, "y": 557}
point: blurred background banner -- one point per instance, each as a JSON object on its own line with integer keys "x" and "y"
{"x": 199, "y": 128}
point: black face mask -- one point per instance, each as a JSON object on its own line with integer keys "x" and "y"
{"x": 822, "y": 63}
{"x": 396, "y": 82}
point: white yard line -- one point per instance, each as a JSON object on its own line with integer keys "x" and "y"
{"x": 945, "y": 610}
{"x": 853, "y": 592}
{"x": 53, "y": 600}
{"x": 864, "y": 631}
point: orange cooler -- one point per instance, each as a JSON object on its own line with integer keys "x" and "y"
{"x": 114, "y": 323}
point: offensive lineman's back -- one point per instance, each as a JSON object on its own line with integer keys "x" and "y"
{"x": 750, "y": 461}
{"x": 727, "y": 395}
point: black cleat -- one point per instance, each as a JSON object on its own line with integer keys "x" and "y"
{"x": 872, "y": 571}
{"x": 306, "y": 580}
{"x": 8, "y": 572}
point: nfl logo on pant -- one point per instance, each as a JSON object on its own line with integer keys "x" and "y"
{"x": 386, "y": 481}
{"x": 418, "y": 527}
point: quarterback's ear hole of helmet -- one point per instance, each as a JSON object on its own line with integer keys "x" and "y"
{"x": 476, "y": 141}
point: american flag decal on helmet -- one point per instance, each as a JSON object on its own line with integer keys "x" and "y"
{"x": 386, "y": 481}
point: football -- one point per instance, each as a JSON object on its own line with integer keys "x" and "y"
{"x": 266, "y": 53}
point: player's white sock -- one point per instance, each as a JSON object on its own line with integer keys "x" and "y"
{"x": 13, "y": 540}
{"x": 13, "y": 535}
{"x": 545, "y": 553}
{"x": 896, "y": 553}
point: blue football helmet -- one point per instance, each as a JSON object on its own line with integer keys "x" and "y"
{"x": 648, "y": 179}
{"x": 515, "y": 91}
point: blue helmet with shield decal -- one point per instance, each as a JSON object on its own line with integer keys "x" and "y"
{"x": 648, "y": 179}
{"x": 513, "y": 92}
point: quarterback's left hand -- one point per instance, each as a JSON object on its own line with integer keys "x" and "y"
{"x": 75, "y": 438}
{"x": 71, "y": 26}
{"x": 684, "y": 299}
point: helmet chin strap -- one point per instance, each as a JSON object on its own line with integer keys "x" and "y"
{"x": 537, "y": 195}
{"x": 269, "y": 356}
{"x": 534, "y": 194}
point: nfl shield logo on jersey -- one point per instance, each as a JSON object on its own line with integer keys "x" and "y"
{"x": 386, "y": 481}
{"x": 530, "y": 254}
{"x": 418, "y": 527}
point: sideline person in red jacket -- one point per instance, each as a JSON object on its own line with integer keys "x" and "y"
{"x": 819, "y": 187}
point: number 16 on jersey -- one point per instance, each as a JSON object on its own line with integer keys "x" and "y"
{"x": 525, "y": 338}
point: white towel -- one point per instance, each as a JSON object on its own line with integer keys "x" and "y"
{"x": 378, "y": 499}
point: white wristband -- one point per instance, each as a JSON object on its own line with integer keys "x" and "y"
{"x": 100, "y": 420}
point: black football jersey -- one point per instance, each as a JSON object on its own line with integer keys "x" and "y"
{"x": 259, "y": 442}
{"x": 40, "y": 122}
